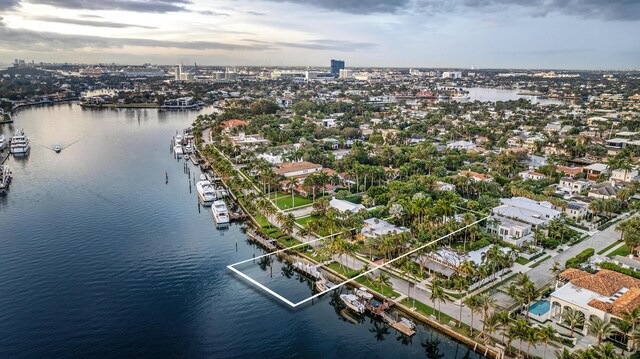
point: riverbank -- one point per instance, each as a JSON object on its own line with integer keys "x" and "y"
{"x": 120, "y": 105}
{"x": 243, "y": 186}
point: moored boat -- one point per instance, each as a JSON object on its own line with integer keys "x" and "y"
{"x": 323, "y": 285}
{"x": 20, "y": 144}
{"x": 220, "y": 212}
{"x": 3, "y": 142}
{"x": 206, "y": 192}
{"x": 352, "y": 302}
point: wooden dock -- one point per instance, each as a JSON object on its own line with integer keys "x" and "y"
{"x": 265, "y": 243}
{"x": 4, "y": 155}
{"x": 397, "y": 325}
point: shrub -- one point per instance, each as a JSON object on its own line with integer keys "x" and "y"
{"x": 616, "y": 268}
{"x": 580, "y": 258}
{"x": 481, "y": 243}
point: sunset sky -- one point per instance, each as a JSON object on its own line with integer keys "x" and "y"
{"x": 576, "y": 34}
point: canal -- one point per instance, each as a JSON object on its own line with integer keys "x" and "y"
{"x": 99, "y": 257}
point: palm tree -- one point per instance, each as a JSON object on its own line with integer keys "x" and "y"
{"x": 518, "y": 330}
{"x": 460, "y": 284}
{"x": 601, "y": 328}
{"x": 486, "y": 301}
{"x": 504, "y": 321}
{"x": 632, "y": 317}
{"x": 625, "y": 327}
{"x": 474, "y": 304}
{"x": 607, "y": 351}
{"x": 287, "y": 224}
{"x": 545, "y": 335}
{"x": 382, "y": 279}
{"x": 531, "y": 336}
{"x": 573, "y": 318}
{"x": 437, "y": 294}
{"x": 491, "y": 323}
{"x": 564, "y": 354}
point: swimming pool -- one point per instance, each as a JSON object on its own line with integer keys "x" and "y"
{"x": 540, "y": 308}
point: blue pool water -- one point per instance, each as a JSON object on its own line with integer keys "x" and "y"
{"x": 540, "y": 308}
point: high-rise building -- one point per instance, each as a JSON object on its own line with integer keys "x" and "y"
{"x": 178, "y": 72}
{"x": 336, "y": 66}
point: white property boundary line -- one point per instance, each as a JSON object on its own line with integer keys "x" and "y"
{"x": 293, "y": 305}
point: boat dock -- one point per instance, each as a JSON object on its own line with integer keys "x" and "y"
{"x": 397, "y": 325}
{"x": 308, "y": 269}
{"x": 4, "y": 155}
{"x": 265, "y": 243}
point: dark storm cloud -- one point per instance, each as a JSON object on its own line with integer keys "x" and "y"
{"x": 19, "y": 39}
{"x": 627, "y": 10}
{"x": 115, "y": 25}
{"x": 150, "y": 6}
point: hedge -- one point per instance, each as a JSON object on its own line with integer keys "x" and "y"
{"x": 580, "y": 258}
{"x": 478, "y": 244}
{"x": 616, "y": 268}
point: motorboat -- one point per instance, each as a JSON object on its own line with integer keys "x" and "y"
{"x": 20, "y": 144}
{"x": 363, "y": 294}
{"x": 461, "y": 97}
{"x": 206, "y": 192}
{"x": 322, "y": 285}
{"x": 352, "y": 302}
{"x": 177, "y": 149}
{"x": 58, "y": 148}
{"x": 220, "y": 212}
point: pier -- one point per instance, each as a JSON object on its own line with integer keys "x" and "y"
{"x": 265, "y": 243}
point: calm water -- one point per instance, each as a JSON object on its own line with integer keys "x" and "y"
{"x": 100, "y": 258}
{"x": 487, "y": 94}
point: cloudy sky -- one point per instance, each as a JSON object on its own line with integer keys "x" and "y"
{"x": 574, "y": 34}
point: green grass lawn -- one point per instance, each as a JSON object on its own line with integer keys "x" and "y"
{"x": 303, "y": 220}
{"x": 522, "y": 261}
{"x": 428, "y": 311}
{"x": 285, "y": 202}
{"x": 264, "y": 223}
{"x": 287, "y": 241}
{"x": 347, "y": 272}
{"x": 539, "y": 262}
{"x": 607, "y": 248}
{"x": 385, "y": 290}
{"x": 621, "y": 251}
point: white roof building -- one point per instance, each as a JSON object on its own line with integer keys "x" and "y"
{"x": 345, "y": 206}
{"x": 374, "y": 227}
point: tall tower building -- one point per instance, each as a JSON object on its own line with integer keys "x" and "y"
{"x": 336, "y": 66}
{"x": 178, "y": 72}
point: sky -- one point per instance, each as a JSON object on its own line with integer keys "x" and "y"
{"x": 523, "y": 34}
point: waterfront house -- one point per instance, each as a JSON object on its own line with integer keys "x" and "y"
{"x": 374, "y": 227}
{"x": 345, "y": 207}
{"x": 297, "y": 169}
{"x": 515, "y": 219}
{"x": 605, "y": 294}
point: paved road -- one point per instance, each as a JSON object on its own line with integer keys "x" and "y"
{"x": 541, "y": 275}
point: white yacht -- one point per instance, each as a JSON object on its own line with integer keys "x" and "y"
{"x": 352, "y": 302}
{"x": 3, "y": 142}
{"x": 206, "y": 192}
{"x": 20, "y": 143}
{"x": 461, "y": 97}
{"x": 178, "y": 150}
{"x": 220, "y": 212}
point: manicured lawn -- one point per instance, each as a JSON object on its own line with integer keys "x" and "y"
{"x": 354, "y": 199}
{"x": 287, "y": 241}
{"x": 285, "y": 202}
{"x": 386, "y": 290}
{"x": 303, "y": 220}
{"x": 607, "y": 248}
{"x": 621, "y": 251}
{"x": 428, "y": 311}
{"x": 264, "y": 223}
{"x": 347, "y": 272}
{"x": 522, "y": 261}
{"x": 539, "y": 262}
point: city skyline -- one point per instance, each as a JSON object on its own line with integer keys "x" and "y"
{"x": 577, "y": 34}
